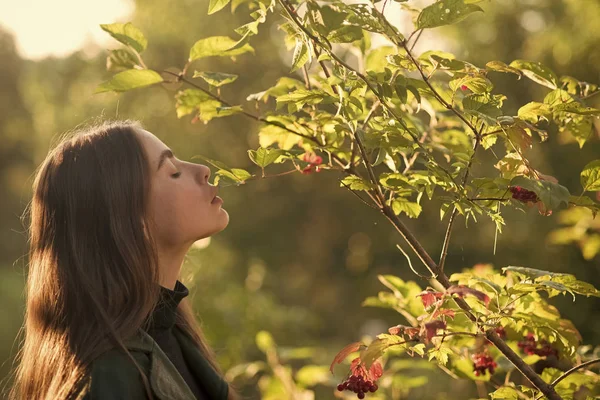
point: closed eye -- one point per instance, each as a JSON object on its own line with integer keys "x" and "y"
{"x": 176, "y": 175}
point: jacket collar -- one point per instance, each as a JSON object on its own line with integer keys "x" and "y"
{"x": 165, "y": 380}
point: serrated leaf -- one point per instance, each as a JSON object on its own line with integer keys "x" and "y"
{"x": 236, "y": 174}
{"x": 590, "y": 176}
{"x": 195, "y": 100}
{"x": 215, "y": 79}
{"x": 553, "y": 195}
{"x": 533, "y": 111}
{"x": 531, "y": 272}
{"x": 576, "y": 108}
{"x": 440, "y": 354}
{"x": 537, "y": 72}
{"x": 130, "y": 79}
{"x": 378, "y": 347}
{"x": 300, "y": 56}
{"x": 356, "y": 183}
{"x": 216, "y": 5}
{"x": 402, "y": 205}
{"x": 505, "y": 393}
{"x": 499, "y": 66}
{"x": 264, "y": 156}
{"x": 121, "y": 59}
{"x": 348, "y": 349}
{"x": 477, "y": 84}
{"x": 127, "y": 34}
{"x": 221, "y": 46}
{"x": 345, "y": 34}
{"x": 445, "y": 12}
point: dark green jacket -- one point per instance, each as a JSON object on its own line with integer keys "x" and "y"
{"x": 115, "y": 377}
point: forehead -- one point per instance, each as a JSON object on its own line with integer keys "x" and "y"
{"x": 153, "y": 145}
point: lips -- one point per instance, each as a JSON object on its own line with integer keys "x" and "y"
{"x": 215, "y": 193}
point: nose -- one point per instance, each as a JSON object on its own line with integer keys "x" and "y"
{"x": 207, "y": 174}
{"x": 202, "y": 173}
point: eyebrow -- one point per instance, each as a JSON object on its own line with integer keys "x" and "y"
{"x": 165, "y": 154}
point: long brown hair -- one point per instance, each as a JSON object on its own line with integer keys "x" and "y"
{"x": 93, "y": 265}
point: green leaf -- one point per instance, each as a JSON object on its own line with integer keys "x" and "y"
{"x": 402, "y": 205}
{"x": 576, "y": 108}
{"x": 580, "y": 127}
{"x": 477, "y": 84}
{"x": 537, "y": 72}
{"x": 121, "y": 59}
{"x": 265, "y": 341}
{"x": 535, "y": 111}
{"x": 356, "y": 183}
{"x": 264, "y": 156}
{"x": 312, "y": 375}
{"x": 345, "y": 34}
{"x": 558, "y": 96}
{"x": 301, "y": 55}
{"x": 440, "y": 354}
{"x": 217, "y": 46}
{"x": 545, "y": 280}
{"x": 215, "y": 79}
{"x": 130, "y": 79}
{"x": 216, "y": 5}
{"x": 590, "y": 176}
{"x": 505, "y": 393}
{"x": 499, "y": 66}
{"x": 376, "y": 60}
{"x": 531, "y": 272}
{"x": 445, "y": 12}
{"x": 378, "y": 347}
{"x": 551, "y": 194}
{"x": 190, "y": 100}
{"x": 237, "y": 175}
{"x": 305, "y": 96}
{"x": 127, "y": 34}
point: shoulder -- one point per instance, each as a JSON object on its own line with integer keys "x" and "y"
{"x": 113, "y": 375}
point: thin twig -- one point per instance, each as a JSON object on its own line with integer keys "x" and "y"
{"x": 437, "y": 95}
{"x": 417, "y": 39}
{"x": 488, "y": 199}
{"x": 360, "y": 198}
{"x": 569, "y": 372}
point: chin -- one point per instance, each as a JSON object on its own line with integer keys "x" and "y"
{"x": 219, "y": 225}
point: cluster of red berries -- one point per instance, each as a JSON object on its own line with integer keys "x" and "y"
{"x": 530, "y": 346}
{"x": 523, "y": 195}
{"x": 483, "y": 362}
{"x": 314, "y": 161}
{"x": 358, "y": 385}
{"x": 501, "y": 332}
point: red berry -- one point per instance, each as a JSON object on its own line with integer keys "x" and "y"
{"x": 523, "y": 195}
{"x": 501, "y": 332}
{"x": 483, "y": 362}
{"x": 463, "y": 87}
{"x": 341, "y": 387}
{"x": 360, "y": 395}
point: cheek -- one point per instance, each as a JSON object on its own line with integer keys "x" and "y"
{"x": 180, "y": 212}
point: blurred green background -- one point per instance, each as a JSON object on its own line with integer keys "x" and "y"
{"x": 300, "y": 253}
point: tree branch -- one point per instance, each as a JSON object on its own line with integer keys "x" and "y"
{"x": 491, "y": 335}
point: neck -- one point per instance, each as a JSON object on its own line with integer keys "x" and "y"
{"x": 170, "y": 261}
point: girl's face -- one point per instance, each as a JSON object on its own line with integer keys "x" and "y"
{"x": 180, "y": 203}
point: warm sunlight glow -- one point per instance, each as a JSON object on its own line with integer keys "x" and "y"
{"x": 60, "y": 27}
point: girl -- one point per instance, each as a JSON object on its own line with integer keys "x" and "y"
{"x": 112, "y": 216}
